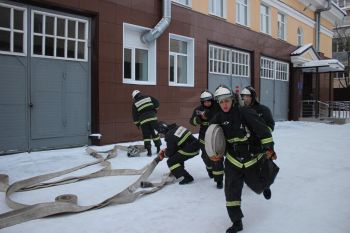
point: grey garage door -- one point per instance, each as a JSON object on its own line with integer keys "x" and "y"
{"x": 44, "y": 79}
{"x": 228, "y": 67}
{"x": 274, "y": 87}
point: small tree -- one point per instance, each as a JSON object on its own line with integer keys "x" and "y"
{"x": 342, "y": 37}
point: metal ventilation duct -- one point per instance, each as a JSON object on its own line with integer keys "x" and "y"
{"x": 162, "y": 25}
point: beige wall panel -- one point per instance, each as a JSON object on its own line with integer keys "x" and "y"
{"x": 255, "y": 15}
{"x": 326, "y": 45}
{"x": 300, "y": 7}
{"x": 200, "y": 6}
{"x": 231, "y": 11}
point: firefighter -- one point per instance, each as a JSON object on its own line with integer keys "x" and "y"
{"x": 248, "y": 144}
{"x": 202, "y": 116}
{"x": 248, "y": 96}
{"x": 144, "y": 111}
{"x": 181, "y": 146}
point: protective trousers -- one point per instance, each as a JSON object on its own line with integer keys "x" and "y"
{"x": 235, "y": 177}
{"x": 149, "y": 134}
{"x": 214, "y": 167}
{"x": 176, "y": 162}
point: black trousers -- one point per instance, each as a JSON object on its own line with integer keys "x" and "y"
{"x": 235, "y": 177}
{"x": 215, "y": 167}
{"x": 149, "y": 134}
{"x": 176, "y": 162}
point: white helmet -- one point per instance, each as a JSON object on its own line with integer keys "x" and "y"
{"x": 222, "y": 92}
{"x": 245, "y": 91}
{"x": 134, "y": 93}
{"x": 206, "y": 95}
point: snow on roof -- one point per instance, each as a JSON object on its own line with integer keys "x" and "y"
{"x": 301, "y": 50}
{"x": 326, "y": 65}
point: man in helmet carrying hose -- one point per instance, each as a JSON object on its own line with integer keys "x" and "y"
{"x": 202, "y": 116}
{"x": 144, "y": 112}
{"x": 249, "y": 144}
{"x": 181, "y": 146}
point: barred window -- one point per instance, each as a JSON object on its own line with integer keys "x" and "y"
{"x": 240, "y": 63}
{"x": 219, "y": 60}
{"x": 57, "y": 36}
{"x": 273, "y": 69}
{"x": 12, "y": 30}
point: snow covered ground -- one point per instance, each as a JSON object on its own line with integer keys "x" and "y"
{"x": 310, "y": 194}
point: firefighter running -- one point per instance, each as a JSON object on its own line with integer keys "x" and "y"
{"x": 144, "y": 111}
{"x": 181, "y": 146}
{"x": 202, "y": 116}
{"x": 248, "y": 144}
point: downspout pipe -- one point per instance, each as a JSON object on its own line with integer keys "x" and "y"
{"x": 318, "y": 24}
{"x": 161, "y": 26}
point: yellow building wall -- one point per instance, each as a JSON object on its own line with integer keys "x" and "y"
{"x": 292, "y": 24}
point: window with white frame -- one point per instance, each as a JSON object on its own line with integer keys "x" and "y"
{"x": 181, "y": 60}
{"x": 12, "y": 30}
{"x": 217, "y": 7}
{"x": 300, "y": 36}
{"x": 139, "y": 59}
{"x": 58, "y": 36}
{"x": 281, "y": 26}
{"x": 219, "y": 60}
{"x": 274, "y": 69}
{"x": 240, "y": 63}
{"x": 242, "y": 12}
{"x": 184, "y": 2}
{"x": 225, "y": 61}
{"x": 265, "y": 19}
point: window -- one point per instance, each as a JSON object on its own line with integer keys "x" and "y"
{"x": 139, "y": 59}
{"x": 300, "y": 36}
{"x": 12, "y": 30}
{"x": 184, "y": 2}
{"x": 217, "y": 7}
{"x": 264, "y": 19}
{"x": 274, "y": 69}
{"x": 61, "y": 37}
{"x": 242, "y": 12}
{"x": 225, "y": 61}
{"x": 281, "y": 25}
{"x": 240, "y": 63}
{"x": 219, "y": 60}
{"x": 181, "y": 61}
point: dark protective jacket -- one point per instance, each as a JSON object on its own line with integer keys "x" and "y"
{"x": 144, "y": 109}
{"x": 265, "y": 113}
{"x": 209, "y": 113}
{"x": 245, "y": 132}
{"x": 177, "y": 138}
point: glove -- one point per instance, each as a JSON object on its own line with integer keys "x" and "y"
{"x": 215, "y": 158}
{"x": 271, "y": 154}
{"x": 161, "y": 154}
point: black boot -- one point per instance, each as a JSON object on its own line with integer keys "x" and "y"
{"x": 219, "y": 184}
{"x": 186, "y": 180}
{"x": 267, "y": 193}
{"x": 149, "y": 152}
{"x": 236, "y": 226}
{"x": 158, "y": 149}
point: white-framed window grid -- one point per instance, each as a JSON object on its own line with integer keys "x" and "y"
{"x": 181, "y": 61}
{"x": 217, "y": 8}
{"x": 226, "y": 61}
{"x": 300, "y": 36}
{"x": 219, "y": 60}
{"x": 281, "y": 26}
{"x": 187, "y": 3}
{"x": 274, "y": 69}
{"x": 242, "y": 12}
{"x": 69, "y": 42}
{"x": 16, "y": 30}
{"x": 240, "y": 64}
{"x": 265, "y": 19}
{"x": 139, "y": 59}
